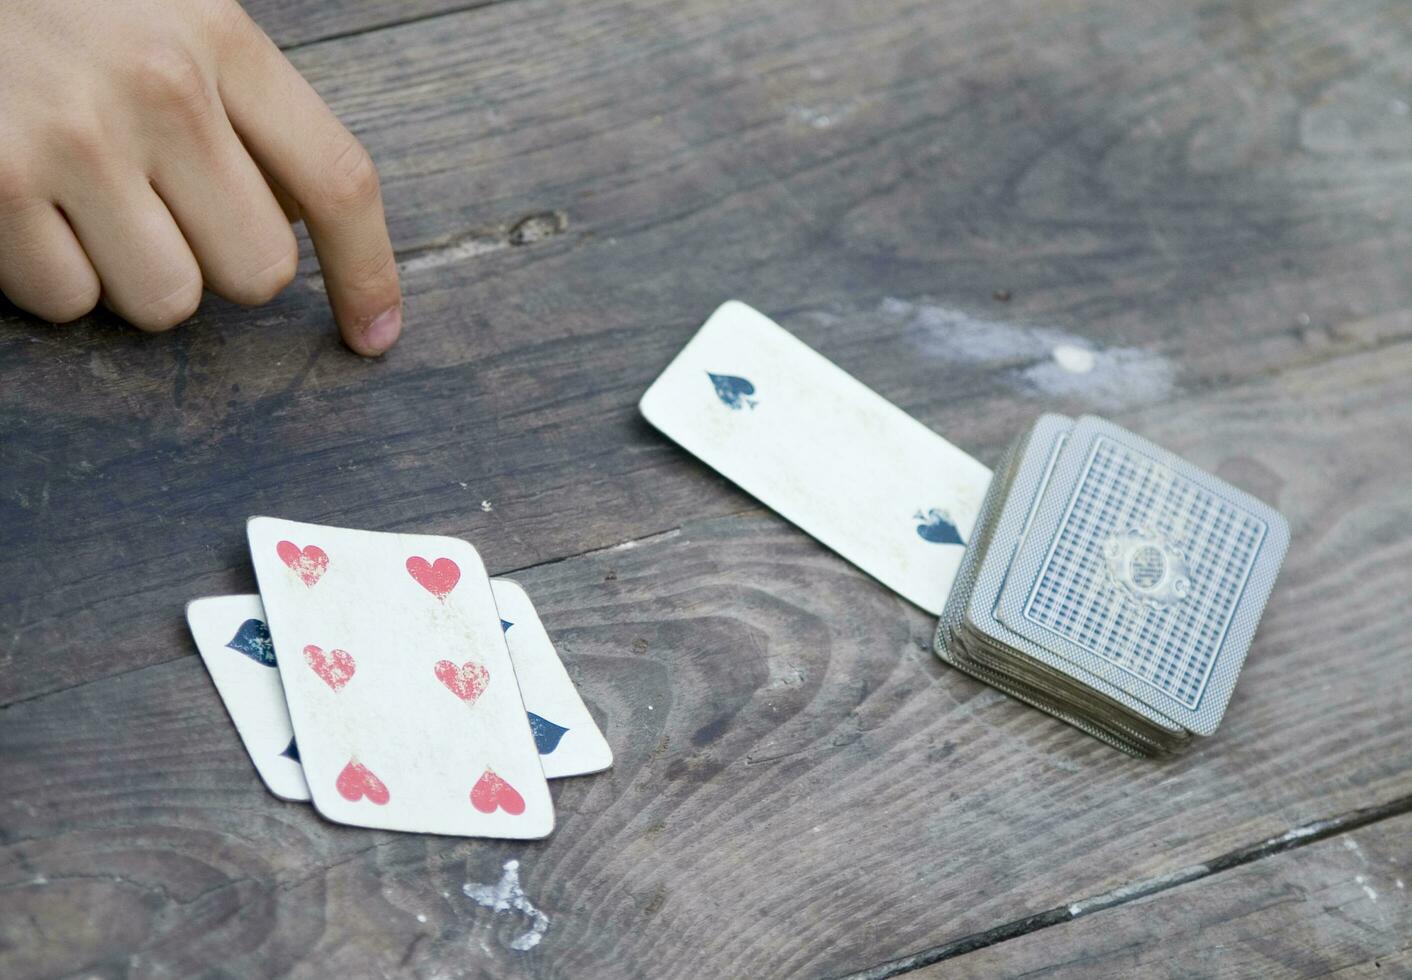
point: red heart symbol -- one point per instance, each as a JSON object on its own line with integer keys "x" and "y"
{"x": 467, "y": 681}
{"x": 308, "y": 563}
{"x": 491, "y": 791}
{"x": 438, "y": 577}
{"x": 336, "y": 668}
{"x": 357, "y": 781}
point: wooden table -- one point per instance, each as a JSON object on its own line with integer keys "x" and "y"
{"x": 1216, "y": 198}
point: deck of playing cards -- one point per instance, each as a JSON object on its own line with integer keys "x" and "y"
{"x": 1112, "y": 584}
{"x": 386, "y": 678}
{"x": 1098, "y": 577}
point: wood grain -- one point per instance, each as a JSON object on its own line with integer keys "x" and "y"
{"x": 800, "y": 787}
{"x": 1337, "y": 908}
{"x": 309, "y": 21}
{"x": 1215, "y": 199}
{"x": 1201, "y": 197}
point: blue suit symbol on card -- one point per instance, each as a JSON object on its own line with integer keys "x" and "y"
{"x": 291, "y": 751}
{"x": 732, "y": 391}
{"x": 253, "y": 640}
{"x": 546, "y": 734}
{"x": 937, "y": 527}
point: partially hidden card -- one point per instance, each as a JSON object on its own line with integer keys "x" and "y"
{"x": 821, "y": 449}
{"x": 568, "y": 740}
{"x": 400, "y": 688}
{"x": 235, "y": 644}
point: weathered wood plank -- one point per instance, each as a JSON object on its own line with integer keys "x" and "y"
{"x": 1201, "y": 197}
{"x": 801, "y": 788}
{"x": 310, "y": 21}
{"x": 1337, "y": 908}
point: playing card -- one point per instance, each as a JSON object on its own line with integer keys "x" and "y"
{"x": 235, "y": 644}
{"x": 402, "y": 694}
{"x": 821, "y": 449}
{"x": 231, "y": 634}
{"x": 568, "y": 740}
{"x": 1146, "y": 571}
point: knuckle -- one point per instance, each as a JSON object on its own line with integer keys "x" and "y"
{"x": 373, "y": 270}
{"x": 231, "y": 28}
{"x": 68, "y": 309}
{"x": 263, "y": 286}
{"x": 352, "y": 181}
{"x": 15, "y": 190}
{"x": 167, "y": 311}
{"x": 81, "y": 140}
{"x": 168, "y": 78}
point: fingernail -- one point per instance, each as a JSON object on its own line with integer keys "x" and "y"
{"x": 382, "y": 332}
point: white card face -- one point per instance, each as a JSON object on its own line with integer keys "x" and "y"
{"x": 234, "y": 642}
{"x": 568, "y": 741}
{"x": 398, "y": 681}
{"x": 821, "y": 449}
{"x": 241, "y": 658}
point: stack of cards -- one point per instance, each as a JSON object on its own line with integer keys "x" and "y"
{"x": 388, "y": 680}
{"x": 1098, "y": 577}
{"x": 1113, "y": 585}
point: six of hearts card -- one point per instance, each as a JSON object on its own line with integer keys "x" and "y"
{"x": 402, "y": 705}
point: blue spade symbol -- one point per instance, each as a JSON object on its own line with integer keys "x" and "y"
{"x": 546, "y": 733}
{"x": 732, "y": 391}
{"x": 505, "y": 625}
{"x": 253, "y": 640}
{"x": 937, "y": 528}
{"x": 291, "y": 751}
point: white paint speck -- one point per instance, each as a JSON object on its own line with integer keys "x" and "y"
{"x": 486, "y": 506}
{"x": 421, "y": 918}
{"x": 649, "y": 707}
{"x": 1296, "y": 833}
{"x": 1075, "y": 360}
{"x": 505, "y": 895}
{"x": 1400, "y": 885}
{"x": 1372, "y": 895}
{"x": 1359, "y": 879}
{"x": 464, "y": 486}
{"x": 819, "y": 117}
{"x": 1350, "y": 843}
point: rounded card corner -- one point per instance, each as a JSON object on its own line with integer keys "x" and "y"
{"x": 512, "y": 585}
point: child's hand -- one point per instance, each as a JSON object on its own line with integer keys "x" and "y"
{"x": 148, "y": 146}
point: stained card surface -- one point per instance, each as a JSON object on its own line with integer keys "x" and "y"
{"x": 235, "y": 644}
{"x": 568, "y": 741}
{"x": 821, "y": 449}
{"x": 398, "y": 680}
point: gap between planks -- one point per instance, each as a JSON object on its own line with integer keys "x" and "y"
{"x": 1305, "y": 834}
{"x": 389, "y": 25}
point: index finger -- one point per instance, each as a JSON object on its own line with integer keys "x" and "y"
{"x": 298, "y": 141}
